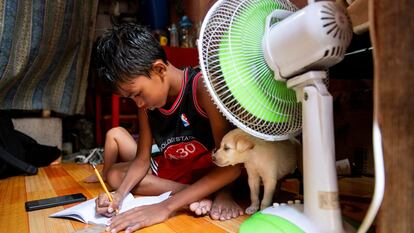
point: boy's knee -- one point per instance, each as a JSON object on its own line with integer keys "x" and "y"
{"x": 115, "y": 132}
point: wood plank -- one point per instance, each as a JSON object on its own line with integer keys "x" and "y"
{"x": 358, "y": 13}
{"x": 13, "y": 217}
{"x": 393, "y": 43}
{"x": 79, "y": 172}
{"x": 64, "y": 183}
{"x": 162, "y": 227}
{"x": 183, "y": 222}
{"x": 39, "y": 187}
{"x": 229, "y": 226}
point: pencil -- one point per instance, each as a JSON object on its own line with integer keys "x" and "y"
{"x": 102, "y": 183}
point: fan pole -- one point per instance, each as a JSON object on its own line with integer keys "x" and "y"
{"x": 321, "y": 202}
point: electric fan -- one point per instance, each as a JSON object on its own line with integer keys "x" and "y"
{"x": 264, "y": 63}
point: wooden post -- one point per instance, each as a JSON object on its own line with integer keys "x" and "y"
{"x": 391, "y": 30}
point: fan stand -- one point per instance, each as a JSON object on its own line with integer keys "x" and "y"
{"x": 321, "y": 202}
{"x": 320, "y": 212}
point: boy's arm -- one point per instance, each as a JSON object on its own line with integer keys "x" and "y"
{"x": 219, "y": 124}
{"x": 140, "y": 165}
{"x": 148, "y": 215}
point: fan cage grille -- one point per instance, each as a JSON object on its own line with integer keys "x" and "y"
{"x": 214, "y": 33}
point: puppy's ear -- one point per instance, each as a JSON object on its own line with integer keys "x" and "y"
{"x": 243, "y": 144}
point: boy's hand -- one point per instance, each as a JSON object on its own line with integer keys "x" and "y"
{"x": 139, "y": 217}
{"x": 105, "y": 207}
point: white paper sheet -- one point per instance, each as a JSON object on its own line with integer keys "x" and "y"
{"x": 85, "y": 211}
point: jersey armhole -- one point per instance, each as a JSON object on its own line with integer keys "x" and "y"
{"x": 195, "y": 100}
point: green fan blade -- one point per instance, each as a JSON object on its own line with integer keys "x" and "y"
{"x": 245, "y": 71}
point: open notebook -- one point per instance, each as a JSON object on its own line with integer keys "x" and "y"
{"x": 85, "y": 211}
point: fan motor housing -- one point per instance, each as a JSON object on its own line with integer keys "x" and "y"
{"x": 313, "y": 38}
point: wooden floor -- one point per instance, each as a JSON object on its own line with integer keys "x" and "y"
{"x": 65, "y": 179}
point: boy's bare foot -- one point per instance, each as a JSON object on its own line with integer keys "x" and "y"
{"x": 201, "y": 207}
{"x": 93, "y": 179}
{"x": 224, "y": 207}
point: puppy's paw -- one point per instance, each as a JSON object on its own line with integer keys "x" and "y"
{"x": 252, "y": 209}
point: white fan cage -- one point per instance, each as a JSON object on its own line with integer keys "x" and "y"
{"x": 215, "y": 30}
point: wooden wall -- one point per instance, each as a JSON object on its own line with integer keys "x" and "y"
{"x": 392, "y": 27}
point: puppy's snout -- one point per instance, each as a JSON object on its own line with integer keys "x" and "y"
{"x": 213, "y": 154}
{"x": 213, "y": 158}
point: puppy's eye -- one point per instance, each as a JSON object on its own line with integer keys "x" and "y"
{"x": 226, "y": 148}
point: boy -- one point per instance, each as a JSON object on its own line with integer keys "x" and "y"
{"x": 176, "y": 111}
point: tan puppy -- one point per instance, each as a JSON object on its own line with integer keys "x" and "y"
{"x": 264, "y": 160}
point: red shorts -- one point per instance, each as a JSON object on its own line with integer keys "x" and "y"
{"x": 185, "y": 162}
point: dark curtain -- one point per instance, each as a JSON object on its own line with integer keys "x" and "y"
{"x": 45, "y": 48}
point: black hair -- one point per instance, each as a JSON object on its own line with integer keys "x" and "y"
{"x": 125, "y": 51}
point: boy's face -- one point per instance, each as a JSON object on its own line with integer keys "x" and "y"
{"x": 148, "y": 93}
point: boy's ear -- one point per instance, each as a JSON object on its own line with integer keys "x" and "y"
{"x": 159, "y": 68}
{"x": 243, "y": 144}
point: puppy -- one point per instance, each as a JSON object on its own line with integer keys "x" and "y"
{"x": 264, "y": 161}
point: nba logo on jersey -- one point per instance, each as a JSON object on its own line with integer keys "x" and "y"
{"x": 185, "y": 121}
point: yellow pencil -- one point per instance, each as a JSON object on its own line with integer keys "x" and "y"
{"x": 102, "y": 183}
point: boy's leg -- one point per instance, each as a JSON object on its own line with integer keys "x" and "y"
{"x": 120, "y": 146}
{"x": 150, "y": 184}
{"x": 154, "y": 185}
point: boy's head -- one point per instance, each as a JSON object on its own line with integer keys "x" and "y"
{"x": 127, "y": 51}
